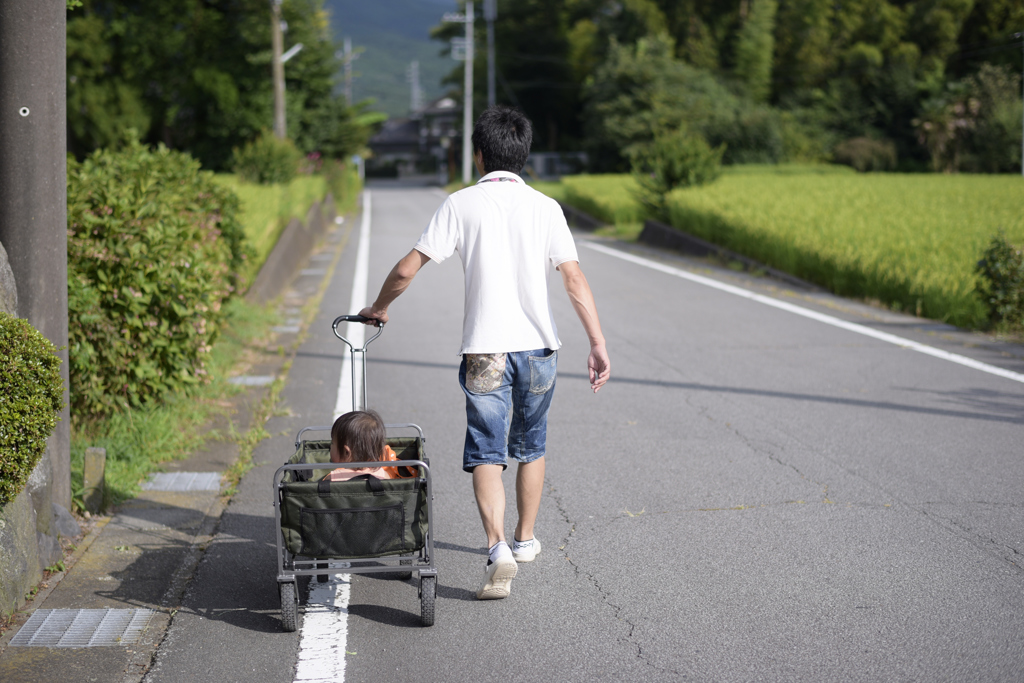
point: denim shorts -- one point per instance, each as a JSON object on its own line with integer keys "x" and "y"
{"x": 507, "y": 401}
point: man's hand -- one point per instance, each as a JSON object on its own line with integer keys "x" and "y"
{"x": 598, "y": 366}
{"x": 376, "y": 314}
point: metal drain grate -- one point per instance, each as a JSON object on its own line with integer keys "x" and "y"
{"x": 83, "y": 628}
{"x": 252, "y": 380}
{"x": 183, "y": 481}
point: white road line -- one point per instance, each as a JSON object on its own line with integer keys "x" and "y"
{"x": 355, "y": 332}
{"x": 813, "y": 315}
{"x": 324, "y": 633}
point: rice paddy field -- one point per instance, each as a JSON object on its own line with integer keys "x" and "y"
{"x": 911, "y": 241}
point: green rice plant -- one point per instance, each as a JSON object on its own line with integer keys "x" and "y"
{"x": 909, "y": 240}
{"x": 553, "y": 189}
{"x": 607, "y": 197}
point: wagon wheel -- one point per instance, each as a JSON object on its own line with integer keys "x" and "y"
{"x": 289, "y": 606}
{"x": 428, "y": 592}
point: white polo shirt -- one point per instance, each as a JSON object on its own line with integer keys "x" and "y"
{"x": 510, "y": 238}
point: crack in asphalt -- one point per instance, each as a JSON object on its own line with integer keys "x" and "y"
{"x": 604, "y": 594}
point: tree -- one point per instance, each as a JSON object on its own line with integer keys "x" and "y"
{"x": 195, "y": 75}
{"x": 755, "y": 46}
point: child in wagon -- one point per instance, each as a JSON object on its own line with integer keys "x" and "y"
{"x": 359, "y": 436}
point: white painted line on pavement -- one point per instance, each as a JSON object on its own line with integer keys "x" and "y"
{"x": 355, "y": 332}
{"x": 324, "y": 632}
{"x": 813, "y": 315}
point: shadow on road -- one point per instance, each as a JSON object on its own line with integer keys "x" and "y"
{"x": 985, "y": 404}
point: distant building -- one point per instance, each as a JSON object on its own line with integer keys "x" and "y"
{"x": 429, "y": 142}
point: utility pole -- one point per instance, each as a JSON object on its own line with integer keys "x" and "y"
{"x": 462, "y": 49}
{"x": 467, "y": 105}
{"x": 416, "y": 90}
{"x": 277, "y": 28}
{"x": 1021, "y": 36}
{"x": 33, "y": 199}
{"x": 277, "y": 44}
{"x": 490, "y": 14}
{"x": 349, "y": 57}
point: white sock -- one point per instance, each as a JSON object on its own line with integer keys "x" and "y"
{"x": 498, "y": 551}
{"x": 520, "y": 545}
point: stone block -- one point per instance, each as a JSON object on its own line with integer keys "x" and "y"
{"x": 64, "y": 524}
{"x": 19, "y": 553}
{"x": 49, "y": 550}
{"x": 8, "y": 288}
{"x": 93, "y": 478}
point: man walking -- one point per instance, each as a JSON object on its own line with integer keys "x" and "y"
{"x": 508, "y": 237}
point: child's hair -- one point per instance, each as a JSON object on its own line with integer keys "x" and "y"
{"x": 363, "y": 432}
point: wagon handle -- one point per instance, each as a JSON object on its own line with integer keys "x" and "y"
{"x": 356, "y": 319}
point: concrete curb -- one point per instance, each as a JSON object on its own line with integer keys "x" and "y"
{"x": 293, "y": 247}
{"x": 657, "y": 234}
{"x": 579, "y": 219}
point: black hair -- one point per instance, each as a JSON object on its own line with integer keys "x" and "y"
{"x": 503, "y": 136}
{"x": 363, "y": 432}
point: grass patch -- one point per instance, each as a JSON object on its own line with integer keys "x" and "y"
{"x": 266, "y": 210}
{"x": 552, "y": 189}
{"x": 627, "y": 232}
{"x": 608, "y": 197}
{"x": 137, "y": 441}
{"x": 910, "y": 241}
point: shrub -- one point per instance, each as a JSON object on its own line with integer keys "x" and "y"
{"x": 678, "y": 159}
{"x": 1002, "y": 274}
{"x": 267, "y": 160}
{"x": 866, "y": 154}
{"x": 31, "y": 397}
{"x": 154, "y": 247}
{"x": 750, "y": 134}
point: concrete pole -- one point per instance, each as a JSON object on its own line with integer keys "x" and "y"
{"x": 277, "y": 45}
{"x": 490, "y": 14}
{"x": 348, "y": 71}
{"x": 467, "y": 104}
{"x": 33, "y": 191}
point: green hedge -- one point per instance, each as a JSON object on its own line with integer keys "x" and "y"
{"x": 31, "y": 397}
{"x": 154, "y": 249}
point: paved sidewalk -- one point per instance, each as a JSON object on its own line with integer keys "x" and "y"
{"x": 129, "y": 573}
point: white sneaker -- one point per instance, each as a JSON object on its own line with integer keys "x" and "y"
{"x": 498, "y": 579}
{"x": 525, "y": 551}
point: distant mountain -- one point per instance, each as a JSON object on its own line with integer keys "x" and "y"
{"x": 392, "y": 33}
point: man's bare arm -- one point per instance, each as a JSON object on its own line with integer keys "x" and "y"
{"x": 397, "y": 281}
{"x": 578, "y": 289}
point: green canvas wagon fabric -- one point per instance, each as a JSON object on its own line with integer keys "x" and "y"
{"x": 363, "y": 517}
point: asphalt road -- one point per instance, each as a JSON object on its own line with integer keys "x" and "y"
{"x": 754, "y": 496}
